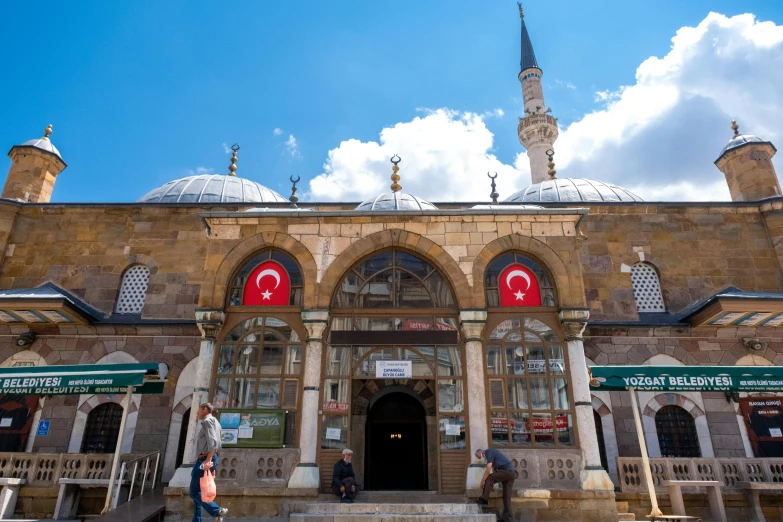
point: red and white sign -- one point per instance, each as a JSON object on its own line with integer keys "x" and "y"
{"x": 519, "y": 287}
{"x": 335, "y": 407}
{"x": 267, "y": 285}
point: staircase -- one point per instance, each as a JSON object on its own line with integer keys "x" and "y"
{"x": 394, "y": 506}
{"x": 622, "y": 512}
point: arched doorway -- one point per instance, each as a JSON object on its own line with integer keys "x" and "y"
{"x": 183, "y": 435}
{"x": 599, "y": 433}
{"x": 396, "y": 433}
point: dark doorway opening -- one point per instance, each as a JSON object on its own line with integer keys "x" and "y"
{"x": 183, "y": 436}
{"x": 396, "y": 444}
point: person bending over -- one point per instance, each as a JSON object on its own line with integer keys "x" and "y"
{"x": 499, "y": 469}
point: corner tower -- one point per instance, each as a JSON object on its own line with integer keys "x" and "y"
{"x": 35, "y": 165}
{"x": 537, "y": 129}
{"x": 746, "y": 161}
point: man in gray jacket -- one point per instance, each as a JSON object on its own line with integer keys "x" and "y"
{"x": 207, "y": 447}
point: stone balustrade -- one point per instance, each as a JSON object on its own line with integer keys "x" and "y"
{"x": 46, "y": 469}
{"x": 256, "y": 467}
{"x": 729, "y": 472}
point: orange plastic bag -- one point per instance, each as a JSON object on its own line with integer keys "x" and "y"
{"x": 208, "y": 489}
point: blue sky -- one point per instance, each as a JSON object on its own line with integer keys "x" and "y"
{"x": 141, "y": 93}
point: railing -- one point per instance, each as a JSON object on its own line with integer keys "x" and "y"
{"x": 46, "y": 469}
{"x": 727, "y": 471}
{"x": 123, "y": 476}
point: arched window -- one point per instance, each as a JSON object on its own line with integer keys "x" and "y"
{"x": 646, "y": 288}
{"x": 259, "y": 367}
{"x": 288, "y": 279}
{"x": 493, "y": 281}
{"x": 527, "y": 383}
{"x": 677, "y": 433}
{"x": 102, "y": 429}
{"x": 599, "y": 433}
{"x": 133, "y": 290}
{"x": 393, "y": 279}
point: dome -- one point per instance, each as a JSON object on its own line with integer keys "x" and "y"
{"x": 487, "y": 206}
{"x": 212, "y": 188}
{"x": 396, "y": 201}
{"x": 44, "y": 144}
{"x": 573, "y": 189}
{"x": 740, "y": 140}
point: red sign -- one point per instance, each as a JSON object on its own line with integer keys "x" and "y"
{"x": 267, "y": 285}
{"x": 541, "y": 425}
{"x": 518, "y": 286}
{"x": 335, "y": 407}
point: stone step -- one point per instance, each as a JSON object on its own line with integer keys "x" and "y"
{"x": 464, "y": 517}
{"x": 622, "y": 507}
{"x": 400, "y": 497}
{"x": 408, "y": 508}
{"x": 626, "y": 517}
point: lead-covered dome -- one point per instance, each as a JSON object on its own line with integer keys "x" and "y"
{"x": 396, "y": 201}
{"x": 740, "y": 140}
{"x": 572, "y": 189}
{"x": 212, "y": 188}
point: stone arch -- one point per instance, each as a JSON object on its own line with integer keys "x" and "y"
{"x": 389, "y": 238}
{"x": 24, "y": 356}
{"x": 567, "y": 277}
{"x": 604, "y": 410}
{"x": 183, "y": 397}
{"x": 213, "y": 291}
{"x": 660, "y": 400}
{"x": 753, "y": 360}
{"x": 141, "y": 259}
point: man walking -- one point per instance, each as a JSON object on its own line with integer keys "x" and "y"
{"x": 207, "y": 447}
{"x": 499, "y": 469}
{"x": 343, "y": 480}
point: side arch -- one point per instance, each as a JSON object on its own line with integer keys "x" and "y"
{"x": 604, "y": 411}
{"x": 675, "y": 399}
{"x": 183, "y": 397}
{"x": 213, "y": 291}
{"x": 567, "y": 277}
{"x": 396, "y": 237}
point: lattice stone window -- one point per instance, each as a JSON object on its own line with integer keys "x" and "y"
{"x": 646, "y": 288}
{"x": 102, "y": 429}
{"x": 133, "y": 290}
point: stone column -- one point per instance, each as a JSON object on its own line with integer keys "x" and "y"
{"x": 306, "y": 474}
{"x": 472, "y": 323}
{"x": 209, "y": 321}
{"x": 593, "y": 476}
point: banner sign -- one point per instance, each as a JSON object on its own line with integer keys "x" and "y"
{"x": 78, "y": 379}
{"x": 393, "y": 369}
{"x": 252, "y": 428}
{"x": 687, "y": 378}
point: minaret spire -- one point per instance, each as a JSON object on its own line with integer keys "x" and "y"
{"x": 537, "y": 129}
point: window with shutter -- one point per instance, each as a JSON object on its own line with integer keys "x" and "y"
{"x": 290, "y": 391}
{"x": 496, "y": 399}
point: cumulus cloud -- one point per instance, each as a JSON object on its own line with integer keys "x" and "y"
{"x": 201, "y": 170}
{"x": 277, "y": 131}
{"x": 657, "y": 137}
{"x": 226, "y": 148}
{"x": 566, "y": 84}
{"x": 292, "y": 147}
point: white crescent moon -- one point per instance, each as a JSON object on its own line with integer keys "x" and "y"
{"x": 514, "y": 273}
{"x": 267, "y": 272}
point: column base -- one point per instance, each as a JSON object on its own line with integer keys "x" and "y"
{"x": 181, "y": 478}
{"x": 475, "y": 473}
{"x": 305, "y": 476}
{"x": 596, "y": 480}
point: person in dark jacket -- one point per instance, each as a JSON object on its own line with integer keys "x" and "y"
{"x": 499, "y": 469}
{"x": 343, "y": 480}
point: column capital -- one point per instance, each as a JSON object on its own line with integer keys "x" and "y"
{"x": 574, "y": 321}
{"x": 210, "y": 321}
{"x": 471, "y": 323}
{"x": 315, "y": 321}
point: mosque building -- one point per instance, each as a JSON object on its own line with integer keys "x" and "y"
{"x": 406, "y": 330}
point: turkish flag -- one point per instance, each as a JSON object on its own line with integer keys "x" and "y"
{"x": 518, "y": 286}
{"x": 267, "y": 285}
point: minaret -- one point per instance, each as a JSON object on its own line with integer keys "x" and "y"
{"x": 35, "y": 165}
{"x": 537, "y": 130}
{"x": 746, "y": 161}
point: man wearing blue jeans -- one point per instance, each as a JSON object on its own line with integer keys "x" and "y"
{"x": 207, "y": 447}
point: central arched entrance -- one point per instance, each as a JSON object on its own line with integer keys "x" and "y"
{"x": 396, "y": 447}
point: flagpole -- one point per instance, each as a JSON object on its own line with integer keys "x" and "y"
{"x": 655, "y": 512}
{"x": 118, "y": 449}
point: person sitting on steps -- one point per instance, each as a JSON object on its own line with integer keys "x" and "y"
{"x": 499, "y": 469}
{"x": 343, "y": 480}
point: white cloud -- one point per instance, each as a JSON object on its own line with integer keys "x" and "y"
{"x": 277, "y": 131}
{"x": 201, "y": 170}
{"x": 494, "y": 113}
{"x": 226, "y": 148}
{"x": 292, "y": 147}
{"x": 657, "y": 137}
{"x": 566, "y": 84}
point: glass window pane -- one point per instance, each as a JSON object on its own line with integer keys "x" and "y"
{"x": 542, "y": 426}
{"x": 517, "y": 394}
{"x": 342, "y": 324}
{"x": 446, "y": 324}
{"x": 541, "y": 329}
{"x": 374, "y": 324}
{"x": 268, "y": 393}
{"x": 556, "y": 360}
{"x": 536, "y": 361}
{"x": 334, "y": 434}
{"x": 560, "y": 394}
{"x": 226, "y": 360}
{"x": 272, "y": 359}
{"x": 452, "y": 433}
{"x": 293, "y": 362}
{"x": 412, "y": 293}
{"x": 494, "y": 361}
{"x": 413, "y": 264}
{"x": 450, "y": 361}
{"x": 367, "y": 367}
{"x": 338, "y": 361}
{"x": 335, "y": 396}
{"x": 539, "y": 394}
{"x": 220, "y": 397}
{"x": 377, "y": 292}
{"x": 243, "y": 393}
{"x": 520, "y": 429}
{"x": 499, "y": 424}
{"x": 515, "y": 360}
{"x": 494, "y": 269}
{"x": 413, "y": 323}
{"x": 248, "y": 359}
{"x": 451, "y": 395}
{"x": 420, "y": 365}
{"x": 440, "y": 290}
{"x": 504, "y": 327}
{"x": 565, "y": 429}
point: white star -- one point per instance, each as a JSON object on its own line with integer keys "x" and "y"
{"x": 520, "y": 295}
{"x": 267, "y": 294}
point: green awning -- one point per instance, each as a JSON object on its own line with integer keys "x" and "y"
{"x": 78, "y": 379}
{"x": 687, "y": 378}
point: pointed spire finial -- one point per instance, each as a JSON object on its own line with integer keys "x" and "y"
{"x": 494, "y": 195}
{"x": 735, "y": 127}
{"x": 293, "y": 199}
{"x": 552, "y": 172}
{"x": 47, "y": 132}
{"x": 396, "y": 187}
{"x": 521, "y": 13}
{"x": 232, "y": 169}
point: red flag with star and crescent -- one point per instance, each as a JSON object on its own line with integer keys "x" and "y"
{"x": 267, "y": 285}
{"x": 518, "y": 286}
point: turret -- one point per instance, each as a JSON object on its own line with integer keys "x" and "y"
{"x": 746, "y": 161}
{"x": 537, "y": 129}
{"x": 35, "y": 165}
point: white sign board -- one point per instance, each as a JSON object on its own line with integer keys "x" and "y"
{"x": 393, "y": 369}
{"x": 775, "y": 432}
{"x": 333, "y": 433}
{"x": 453, "y": 429}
